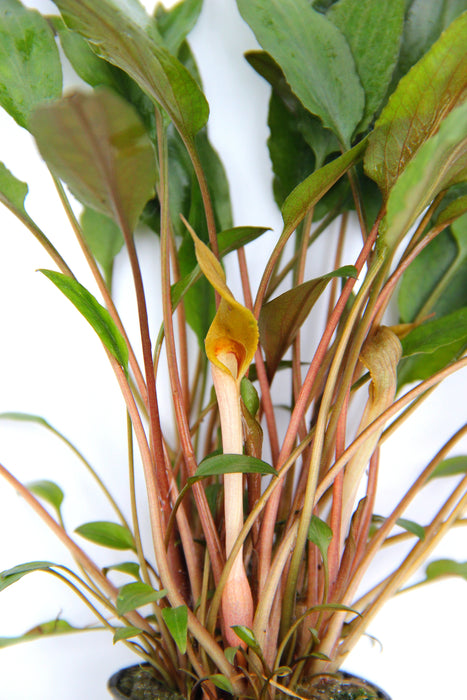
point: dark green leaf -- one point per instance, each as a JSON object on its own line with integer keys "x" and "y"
{"x": 425, "y": 21}
{"x": 446, "y": 567}
{"x": 454, "y": 210}
{"x": 46, "y": 629}
{"x": 238, "y": 237}
{"x": 122, "y": 33}
{"x": 249, "y": 396}
{"x": 450, "y": 467}
{"x": 413, "y": 528}
{"x": 10, "y": 576}
{"x": 48, "y": 491}
{"x": 107, "y": 534}
{"x": 231, "y": 464}
{"x": 310, "y": 191}
{"x": 103, "y": 237}
{"x": 176, "y": 620}
{"x": 373, "y": 31}
{"x": 433, "y": 335}
{"x": 176, "y": 23}
{"x": 98, "y": 317}
{"x": 98, "y": 145}
{"x": 30, "y": 68}
{"x": 135, "y": 595}
{"x": 281, "y": 318}
{"x": 434, "y": 86}
{"x": 439, "y": 162}
{"x": 297, "y": 36}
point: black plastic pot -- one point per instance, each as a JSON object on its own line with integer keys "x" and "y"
{"x": 137, "y": 683}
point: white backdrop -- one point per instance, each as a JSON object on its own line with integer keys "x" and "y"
{"x": 52, "y": 365}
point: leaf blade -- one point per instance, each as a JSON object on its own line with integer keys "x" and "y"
{"x": 107, "y": 534}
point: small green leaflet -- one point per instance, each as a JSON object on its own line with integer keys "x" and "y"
{"x": 48, "y": 491}
{"x": 176, "y": 620}
{"x": 106, "y": 534}
{"x": 46, "y": 629}
{"x": 231, "y": 464}
{"x": 94, "y": 313}
{"x": 451, "y": 467}
{"x": 446, "y": 567}
{"x": 10, "y": 576}
{"x": 125, "y": 633}
{"x": 135, "y": 595}
{"x": 248, "y": 636}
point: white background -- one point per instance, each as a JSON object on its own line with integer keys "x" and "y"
{"x": 52, "y": 365}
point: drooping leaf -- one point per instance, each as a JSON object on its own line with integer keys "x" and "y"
{"x": 373, "y": 31}
{"x": 97, "y": 144}
{"x": 135, "y": 595}
{"x": 175, "y": 24}
{"x": 176, "y": 620}
{"x": 230, "y": 463}
{"x": 453, "y": 466}
{"x": 446, "y": 567}
{"x": 10, "y": 576}
{"x": 412, "y": 527}
{"x": 96, "y": 315}
{"x": 222, "y": 682}
{"x": 423, "y": 98}
{"x": 281, "y": 318}
{"x": 125, "y": 633}
{"x": 121, "y": 32}
{"x": 103, "y": 237}
{"x": 30, "y": 68}
{"x": 310, "y": 191}
{"x": 440, "y": 162}
{"x": 46, "y": 629}
{"x": 248, "y": 636}
{"x": 47, "y": 491}
{"x": 107, "y": 534}
{"x": 329, "y": 87}
{"x": 13, "y": 192}
{"x": 127, "y": 567}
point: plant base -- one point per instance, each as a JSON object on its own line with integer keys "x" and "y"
{"x": 340, "y": 686}
{"x": 138, "y": 683}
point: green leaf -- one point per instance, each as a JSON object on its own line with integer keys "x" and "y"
{"x": 249, "y": 396}
{"x": 30, "y": 68}
{"x": 248, "y": 636}
{"x": 310, "y": 191}
{"x": 13, "y": 192}
{"x": 373, "y": 31}
{"x": 175, "y": 23}
{"x": 48, "y": 491}
{"x": 280, "y": 319}
{"x": 135, "y": 595}
{"x": 127, "y": 567}
{"x": 107, "y": 534}
{"x": 320, "y": 534}
{"x": 450, "y": 467}
{"x": 98, "y": 317}
{"x": 125, "y": 633}
{"x": 46, "y": 629}
{"x": 412, "y": 527}
{"x": 433, "y": 335}
{"x": 232, "y": 464}
{"x": 425, "y": 21}
{"x": 103, "y": 237}
{"x": 97, "y": 144}
{"x": 176, "y": 620}
{"x": 453, "y": 210}
{"x": 446, "y": 567}
{"x": 10, "y": 576}
{"x": 297, "y": 36}
{"x": 222, "y": 682}
{"x": 121, "y": 32}
{"x": 440, "y": 162}
{"x": 434, "y": 86}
